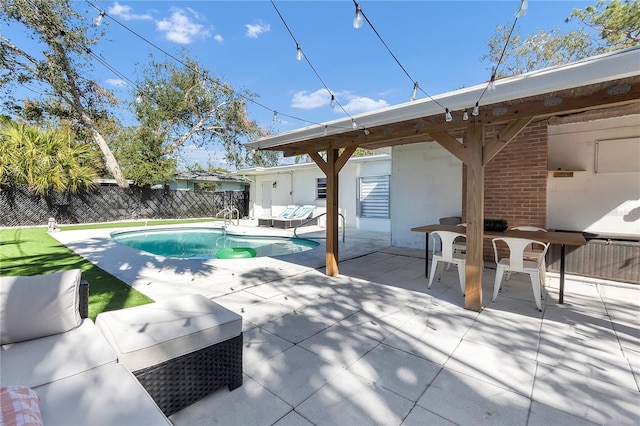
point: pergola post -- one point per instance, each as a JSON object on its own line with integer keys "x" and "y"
{"x": 331, "y": 256}
{"x": 473, "y": 142}
{"x": 331, "y": 168}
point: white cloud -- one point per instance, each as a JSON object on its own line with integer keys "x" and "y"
{"x": 218, "y": 38}
{"x": 358, "y": 104}
{"x": 124, "y": 12}
{"x": 118, "y": 82}
{"x": 254, "y": 30}
{"x": 321, "y": 98}
{"x": 181, "y": 28}
{"x": 313, "y": 100}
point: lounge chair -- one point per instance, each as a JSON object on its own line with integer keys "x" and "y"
{"x": 298, "y": 217}
{"x": 286, "y": 213}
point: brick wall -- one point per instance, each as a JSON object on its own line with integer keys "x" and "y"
{"x": 515, "y": 181}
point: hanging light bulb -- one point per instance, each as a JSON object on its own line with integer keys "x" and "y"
{"x": 98, "y": 19}
{"x": 447, "y": 115}
{"x": 523, "y": 9}
{"x": 358, "y": 19}
{"x": 414, "y": 94}
{"x": 325, "y": 130}
{"x": 354, "y": 125}
{"x": 366, "y": 132}
{"x": 60, "y": 38}
{"x": 332, "y": 104}
{"x": 492, "y": 84}
{"x": 465, "y": 115}
{"x": 476, "y": 110}
{"x": 275, "y": 116}
{"x": 299, "y": 55}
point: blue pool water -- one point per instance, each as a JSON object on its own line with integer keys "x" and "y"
{"x": 205, "y": 243}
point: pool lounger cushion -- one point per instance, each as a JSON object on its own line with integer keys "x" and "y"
{"x": 180, "y": 349}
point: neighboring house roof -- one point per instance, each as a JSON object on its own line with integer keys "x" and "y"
{"x": 563, "y": 89}
{"x": 299, "y": 166}
{"x": 206, "y": 176}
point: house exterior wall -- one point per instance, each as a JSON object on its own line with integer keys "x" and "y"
{"x": 606, "y": 203}
{"x": 515, "y": 181}
{"x": 297, "y": 185}
{"x": 426, "y": 185}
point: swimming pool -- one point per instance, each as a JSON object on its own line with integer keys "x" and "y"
{"x": 209, "y": 243}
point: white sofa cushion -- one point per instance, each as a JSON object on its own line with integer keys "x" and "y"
{"x": 40, "y": 361}
{"x": 147, "y": 335}
{"x": 38, "y": 306}
{"x": 108, "y": 395}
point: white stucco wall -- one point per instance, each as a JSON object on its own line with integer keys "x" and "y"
{"x": 296, "y": 184}
{"x": 589, "y": 201}
{"x": 426, "y": 185}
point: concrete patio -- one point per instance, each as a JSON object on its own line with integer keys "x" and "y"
{"x": 374, "y": 346}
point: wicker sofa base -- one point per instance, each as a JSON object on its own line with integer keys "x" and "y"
{"x": 179, "y": 382}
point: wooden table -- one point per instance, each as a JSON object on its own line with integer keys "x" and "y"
{"x": 553, "y": 237}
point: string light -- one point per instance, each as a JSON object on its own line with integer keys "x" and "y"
{"x": 492, "y": 84}
{"x": 60, "y": 38}
{"x": 299, "y": 54}
{"x": 98, "y": 19}
{"x": 275, "y": 116}
{"x": 358, "y": 20}
{"x": 354, "y": 125}
{"x": 447, "y": 115}
{"x": 465, "y": 115}
{"x": 414, "y": 94}
{"x": 332, "y": 104}
{"x": 476, "y": 110}
{"x": 523, "y": 9}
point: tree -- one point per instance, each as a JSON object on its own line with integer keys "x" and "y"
{"x": 63, "y": 67}
{"x": 141, "y": 156}
{"x": 44, "y": 159}
{"x": 617, "y": 24}
{"x": 178, "y": 103}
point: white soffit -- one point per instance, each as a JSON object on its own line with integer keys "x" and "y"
{"x": 597, "y": 69}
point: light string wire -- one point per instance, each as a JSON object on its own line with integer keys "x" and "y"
{"x": 204, "y": 76}
{"x": 495, "y": 70}
{"x": 414, "y": 82}
{"x": 306, "y": 58}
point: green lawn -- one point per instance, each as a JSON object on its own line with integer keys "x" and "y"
{"x": 32, "y": 251}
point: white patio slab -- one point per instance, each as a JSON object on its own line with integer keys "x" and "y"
{"x": 373, "y": 346}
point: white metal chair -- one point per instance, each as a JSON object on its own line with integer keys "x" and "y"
{"x": 447, "y": 255}
{"x": 517, "y": 263}
{"x": 533, "y": 253}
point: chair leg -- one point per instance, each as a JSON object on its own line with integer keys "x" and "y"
{"x": 535, "y": 286}
{"x": 496, "y": 285}
{"x": 432, "y": 273}
{"x": 461, "y": 276}
{"x": 440, "y": 269}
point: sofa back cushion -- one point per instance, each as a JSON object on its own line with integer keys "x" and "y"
{"x": 38, "y": 306}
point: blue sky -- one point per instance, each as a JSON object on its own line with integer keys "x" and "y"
{"x": 439, "y": 43}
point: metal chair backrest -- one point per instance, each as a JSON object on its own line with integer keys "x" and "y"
{"x": 446, "y": 240}
{"x": 517, "y": 247}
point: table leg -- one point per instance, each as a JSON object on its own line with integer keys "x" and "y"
{"x": 561, "y": 297}
{"x": 426, "y": 256}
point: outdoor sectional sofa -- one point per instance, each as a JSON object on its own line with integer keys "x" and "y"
{"x": 57, "y": 366}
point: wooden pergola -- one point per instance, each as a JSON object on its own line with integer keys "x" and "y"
{"x": 605, "y": 86}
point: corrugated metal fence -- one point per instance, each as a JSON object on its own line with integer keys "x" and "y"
{"x": 18, "y": 207}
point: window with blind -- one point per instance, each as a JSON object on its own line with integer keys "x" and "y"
{"x": 373, "y": 197}
{"x": 321, "y": 188}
